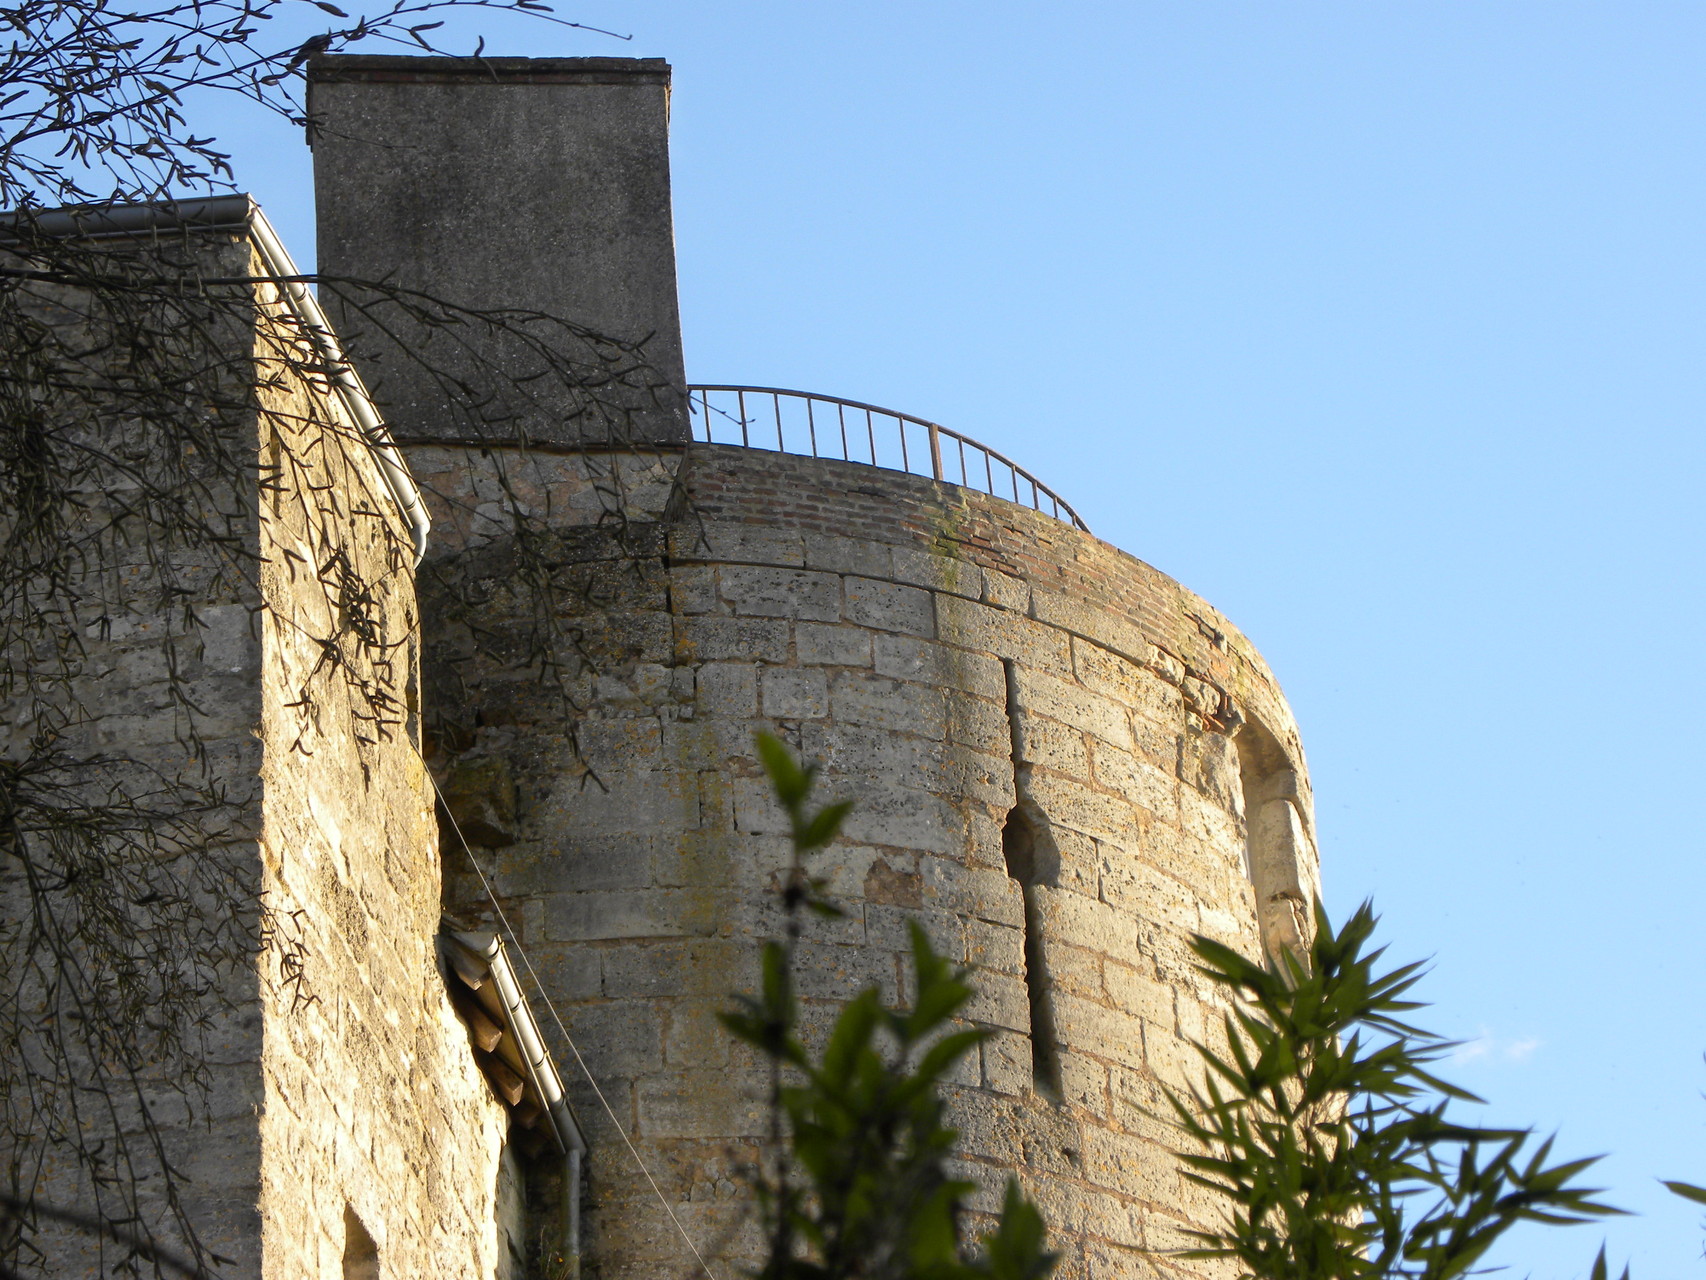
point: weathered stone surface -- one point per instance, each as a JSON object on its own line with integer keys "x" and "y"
{"x": 903, "y": 695}
{"x": 390, "y": 130}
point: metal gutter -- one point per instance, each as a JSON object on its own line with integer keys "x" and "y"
{"x": 241, "y": 213}
{"x": 518, "y": 1021}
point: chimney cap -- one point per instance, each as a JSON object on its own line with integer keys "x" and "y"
{"x": 404, "y": 69}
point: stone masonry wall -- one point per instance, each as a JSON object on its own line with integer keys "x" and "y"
{"x": 168, "y": 787}
{"x": 953, "y": 660}
{"x": 375, "y": 1118}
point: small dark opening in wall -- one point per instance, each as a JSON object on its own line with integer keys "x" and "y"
{"x": 361, "y": 1254}
{"x": 1019, "y": 845}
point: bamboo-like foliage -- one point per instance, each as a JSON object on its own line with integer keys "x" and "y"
{"x": 855, "y": 1184}
{"x": 1324, "y": 1135}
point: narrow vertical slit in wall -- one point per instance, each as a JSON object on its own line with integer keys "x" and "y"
{"x": 1019, "y": 844}
{"x": 361, "y": 1253}
{"x": 1025, "y": 858}
{"x": 1274, "y": 841}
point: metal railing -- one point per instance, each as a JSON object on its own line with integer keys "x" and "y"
{"x": 851, "y": 431}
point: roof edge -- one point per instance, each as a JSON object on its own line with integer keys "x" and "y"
{"x": 211, "y": 213}
{"x": 394, "y": 68}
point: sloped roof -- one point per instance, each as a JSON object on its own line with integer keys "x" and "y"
{"x": 506, "y": 1040}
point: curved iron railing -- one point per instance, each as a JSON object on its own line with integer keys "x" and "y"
{"x": 849, "y": 430}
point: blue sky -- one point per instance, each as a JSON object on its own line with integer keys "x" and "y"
{"x": 1377, "y": 324}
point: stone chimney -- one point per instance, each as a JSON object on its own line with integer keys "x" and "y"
{"x": 515, "y": 214}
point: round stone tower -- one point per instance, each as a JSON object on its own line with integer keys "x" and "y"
{"x": 1064, "y": 763}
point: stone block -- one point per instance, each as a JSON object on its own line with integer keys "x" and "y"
{"x": 781, "y": 593}
{"x": 713, "y": 639}
{"x": 1076, "y": 807}
{"x": 230, "y": 642}
{"x": 832, "y": 646}
{"x": 981, "y": 725}
{"x": 755, "y": 809}
{"x": 1208, "y": 763}
{"x": 934, "y": 571}
{"x": 998, "y": 948}
{"x": 1083, "y": 922}
{"x": 1080, "y": 869}
{"x": 795, "y": 695}
{"x": 716, "y": 813}
{"x": 856, "y": 698}
{"x": 909, "y": 658}
{"x": 643, "y": 970}
{"x": 634, "y": 742}
{"x": 900, "y": 817}
{"x": 728, "y": 690}
{"x": 989, "y": 1127}
{"x": 701, "y": 1104}
{"x": 1073, "y": 969}
{"x": 1051, "y": 745}
{"x": 890, "y": 929}
{"x": 1155, "y": 743}
{"x": 1131, "y": 1167}
{"x": 978, "y": 892}
{"x": 1113, "y": 675}
{"x": 1204, "y": 821}
{"x": 1000, "y": 1000}
{"x": 829, "y": 972}
{"x": 977, "y": 777}
{"x": 1111, "y": 1261}
{"x": 656, "y": 913}
{"x": 707, "y": 968}
{"x": 478, "y": 801}
{"x": 1138, "y": 783}
{"x": 892, "y": 880}
{"x": 1084, "y": 1082}
{"x": 621, "y": 805}
{"x": 722, "y": 542}
{"x": 571, "y": 864}
{"x": 692, "y": 746}
{"x": 1137, "y": 993}
{"x": 1005, "y": 1063}
{"x": 848, "y": 555}
{"x": 1041, "y": 694}
{"x": 1005, "y": 591}
{"x": 570, "y": 973}
{"x": 1170, "y": 1060}
{"x": 974, "y": 625}
{"x": 621, "y": 1039}
{"x": 1102, "y": 625}
{"x": 693, "y": 1038}
{"x": 693, "y": 589}
{"x": 889, "y": 606}
{"x": 853, "y": 755}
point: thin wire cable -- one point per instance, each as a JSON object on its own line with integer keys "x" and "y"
{"x": 567, "y": 1039}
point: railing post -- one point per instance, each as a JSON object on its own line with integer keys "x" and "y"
{"x": 935, "y": 453}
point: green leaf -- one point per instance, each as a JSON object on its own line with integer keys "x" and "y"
{"x": 1687, "y": 1190}
{"x": 789, "y": 781}
{"x": 823, "y": 825}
